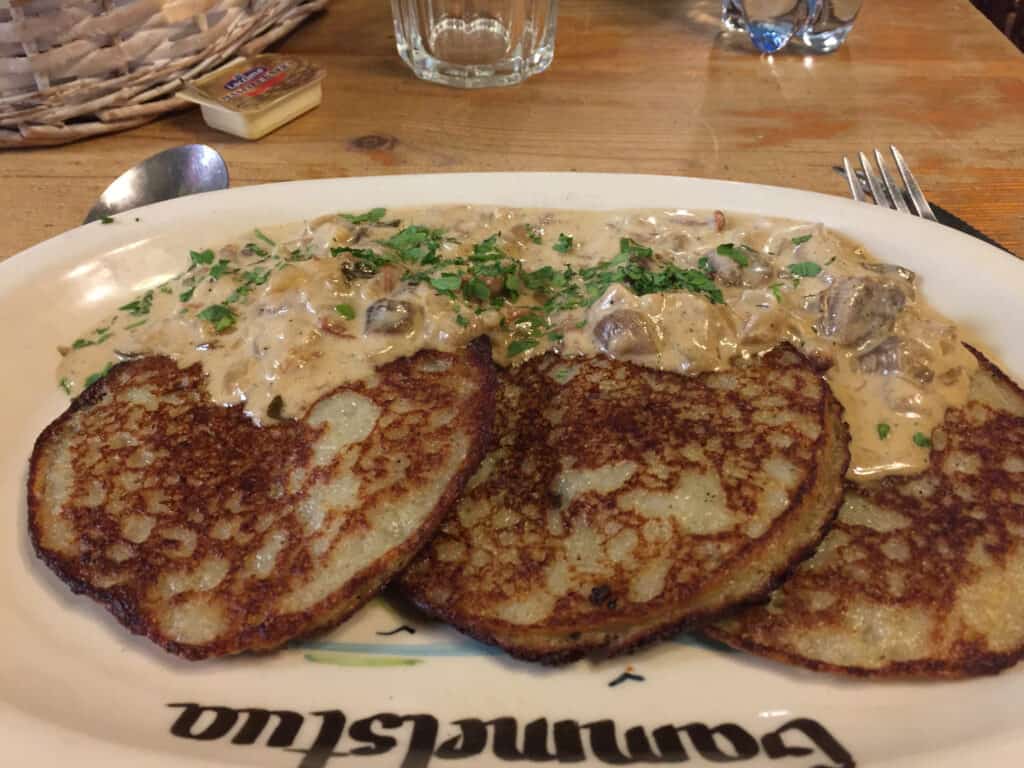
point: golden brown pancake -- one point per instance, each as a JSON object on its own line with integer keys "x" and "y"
{"x": 212, "y": 536}
{"x": 621, "y": 503}
{"x": 919, "y": 576}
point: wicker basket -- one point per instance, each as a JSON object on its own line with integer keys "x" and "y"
{"x": 76, "y": 68}
{"x": 1008, "y": 15}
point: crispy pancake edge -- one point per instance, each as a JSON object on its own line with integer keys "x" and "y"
{"x": 976, "y": 663}
{"x": 328, "y": 612}
{"x": 602, "y": 644}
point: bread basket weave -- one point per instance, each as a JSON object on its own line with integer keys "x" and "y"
{"x": 76, "y": 68}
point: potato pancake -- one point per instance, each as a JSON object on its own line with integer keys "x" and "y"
{"x": 620, "y": 504}
{"x": 213, "y": 536}
{"x": 920, "y": 575}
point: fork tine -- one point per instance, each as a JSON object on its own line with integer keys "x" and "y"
{"x": 895, "y": 193}
{"x": 916, "y": 195}
{"x": 873, "y": 183}
{"x": 855, "y": 188}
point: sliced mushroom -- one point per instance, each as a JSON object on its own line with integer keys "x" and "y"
{"x": 726, "y": 270}
{"x": 625, "y": 332}
{"x": 905, "y": 357}
{"x": 358, "y": 269}
{"x": 390, "y": 316}
{"x": 891, "y": 270}
{"x": 858, "y": 310}
{"x": 229, "y": 252}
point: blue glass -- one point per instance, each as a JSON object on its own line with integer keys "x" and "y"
{"x": 829, "y": 23}
{"x": 771, "y": 24}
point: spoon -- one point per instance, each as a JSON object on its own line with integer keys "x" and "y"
{"x": 175, "y": 172}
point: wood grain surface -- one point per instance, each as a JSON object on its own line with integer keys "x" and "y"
{"x": 636, "y": 86}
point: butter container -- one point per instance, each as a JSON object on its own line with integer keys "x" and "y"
{"x": 253, "y": 96}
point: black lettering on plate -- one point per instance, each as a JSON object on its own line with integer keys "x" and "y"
{"x": 288, "y": 725}
{"x": 775, "y": 748}
{"x": 470, "y": 741}
{"x": 332, "y": 727}
{"x": 564, "y": 741}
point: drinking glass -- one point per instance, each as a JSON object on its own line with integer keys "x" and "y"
{"x": 829, "y": 22}
{"x": 732, "y": 16}
{"x": 475, "y": 43}
{"x": 772, "y": 23}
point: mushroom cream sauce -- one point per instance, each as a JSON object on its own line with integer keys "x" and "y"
{"x": 283, "y": 317}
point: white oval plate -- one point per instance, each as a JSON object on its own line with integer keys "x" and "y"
{"x": 75, "y": 688}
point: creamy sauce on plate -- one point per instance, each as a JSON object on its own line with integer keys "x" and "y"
{"x": 282, "y": 317}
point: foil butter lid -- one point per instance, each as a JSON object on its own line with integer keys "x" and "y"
{"x": 251, "y": 97}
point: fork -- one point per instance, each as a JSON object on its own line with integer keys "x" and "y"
{"x": 883, "y": 189}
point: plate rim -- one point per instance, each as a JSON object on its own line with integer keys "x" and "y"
{"x": 25, "y": 266}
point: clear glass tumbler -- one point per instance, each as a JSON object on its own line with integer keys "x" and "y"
{"x": 771, "y": 24}
{"x": 829, "y": 22}
{"x": 475, "y": 43}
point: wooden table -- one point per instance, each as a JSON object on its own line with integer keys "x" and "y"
{"x": 636, "y": 86}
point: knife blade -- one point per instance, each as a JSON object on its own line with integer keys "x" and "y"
{"x": 944, "y": 216}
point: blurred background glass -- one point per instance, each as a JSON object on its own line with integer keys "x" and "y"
{"x": 828, "y": 24}
{"x": 771, "y": 24}
{"x": 820, "y": 26}
{"x": 475, "y": 43}
{"x": 732, "y": 15}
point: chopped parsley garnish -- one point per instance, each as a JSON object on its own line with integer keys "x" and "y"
{"x": 633, "y": 249}
{"x": 519, "y": 346}
{"x": 92, "y": 378}
{"x": 561, "y": 375}
{"x": 626, "y": 269}
{"x": 298, "y": 254}
{"x": 346, "y": 311}
{"x": 201, "y": 257}
{"x": 563, "y": 244}
{"x": 883, "y": 430}
{"x": 805, "y": 269}
{"x": 461, "y": 320}
{"x": 543, "y": 279}
{"x": 135, "y": 324}
{"x": 776, "y": 292}
{"x": 250, "y": 280}
{"x": 922, "y": 440}
{"x": 252, "y": 248}
{"x": 736, "y": 253}
{"x": 65, "y": 385}
{"x": 221, "y": 268}
{"x": 107, "y": 220}
{"x": 372, "y": 216}
{"x": 475, "y": 288}
{"x": 445, "y": 283}
{"x": 187, "y": 294}
{"x": 140, "y": 306}
{"x": 415, "y": 244}
{"x": 264, "y": 238}
{"x": 487, "y": 250}
{"x": 802, "y": 239}
{"x": 220, "y": 316}
{"x": 255, "y": 277}
{"x": 166, "y": 288}
{"x": 534, "y": 234}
